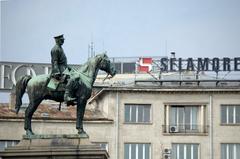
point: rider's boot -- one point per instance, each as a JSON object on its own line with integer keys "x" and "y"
{"x": 68, "y": 99}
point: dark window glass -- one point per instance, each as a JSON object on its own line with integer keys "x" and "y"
{"x": 137, "y": 113}
{"x": 140, "y": 113}
{"x": 118, "y": 67}
{"x": 223, "y": 151}
{"x": 230, "y": 114}
{"x": 237, "y": 114}
{"x": 238, "y": 150}
{"x": 188, "y": 154}
{"x": 185, "y": 151}
{"x": 132, "y": 151}
{"x": 7, "y": 143}
{"x": 195, "y": 151}
{"x": 140, "y": 151}
{"x": 184, "y": 117}
{"x": 127, "y": 113}
{"x": 146, "y": 114}
{"x": 126, "y": 151}
{"x": 133, "y": 114}
{"x": 2, "y": 145}
{"x": 188, "y": 117}
{"x": 228, "y": 151}
{"x": 147, "y": 151}
{"x": 129, "y": 67}
{"x": 174, "y": 151}
{"x": 181, "y": 151}
{"x": 224, "y": 114}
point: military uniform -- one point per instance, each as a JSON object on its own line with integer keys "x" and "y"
{"x": 59, "y": 59}
{"x": 59, "y": 64}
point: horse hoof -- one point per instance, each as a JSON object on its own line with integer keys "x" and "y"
{"x": 29, "y": 133}
{"x": 82, "y": 133}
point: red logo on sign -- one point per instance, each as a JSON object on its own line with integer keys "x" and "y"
{"x": 145, "y": 65}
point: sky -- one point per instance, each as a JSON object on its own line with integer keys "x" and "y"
{"x": 123, "y": 28}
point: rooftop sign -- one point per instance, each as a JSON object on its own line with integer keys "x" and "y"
{"x": 190, "y": 64}
{"x": 11, "y": 71}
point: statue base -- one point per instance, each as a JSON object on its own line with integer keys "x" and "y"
{"x": 55, "y": 146}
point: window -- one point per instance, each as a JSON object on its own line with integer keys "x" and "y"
{"x": 137, "y": 113}
{"x": 185, "y": 151}
{"x": 137, "y": 151}
{"x": 129, "y": 67}
{"x": 118, "y": 67}
{"x": 7, "y": 143}
{"x": 103, "y": 145}
{"x": 230, "y": 151}
{"x": 230, "y": 114}
{"x": 184, "y": 118}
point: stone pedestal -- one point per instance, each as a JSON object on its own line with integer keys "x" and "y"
{"x": 55, "y": 147}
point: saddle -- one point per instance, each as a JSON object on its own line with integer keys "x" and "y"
{"x": 58, "y": 83}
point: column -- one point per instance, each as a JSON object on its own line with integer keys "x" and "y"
{"x": 202, "y": 120}
{"x": 167, "y": 119}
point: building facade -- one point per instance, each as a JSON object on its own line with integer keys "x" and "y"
{"x": 184, "y": 116}
{"x": 146, "y": 122}
{"x": 183, "y": 123}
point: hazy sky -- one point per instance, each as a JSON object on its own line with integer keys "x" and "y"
{"x": 203, "y": 28}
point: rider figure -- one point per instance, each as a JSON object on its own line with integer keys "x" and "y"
{"x": 59, "y": 64}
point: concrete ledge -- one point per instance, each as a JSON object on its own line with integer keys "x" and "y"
{"x": 56, "y": 154}
{"x": 71, "y": 146}
{"x": 185, "y": 134}
{"x": 53, "y": 136}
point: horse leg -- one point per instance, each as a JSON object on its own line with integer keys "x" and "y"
{"x": 28, "y": 116}
{"x": 81, "y": 105}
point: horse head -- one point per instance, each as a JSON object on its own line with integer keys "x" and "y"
{"x": 106, "y": 65}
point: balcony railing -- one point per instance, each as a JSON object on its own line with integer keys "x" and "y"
{"x": 185, "y": 128}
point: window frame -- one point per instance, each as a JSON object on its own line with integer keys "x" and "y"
{"x": 136, "y": 105}
{"x": 227, "y": 144}
{"x": 185, "y": 144}
{"x": 138, "y": 143}
{"x": 6, "y": 142}
{"x": 193, "y": 128}
{"x": 227, "y": 123}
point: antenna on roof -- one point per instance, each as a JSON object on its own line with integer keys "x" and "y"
{"x": 91, "y": 50}
{"x": 88, "y": 51}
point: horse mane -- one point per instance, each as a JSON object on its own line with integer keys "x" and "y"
{"x": 97, "y": 57}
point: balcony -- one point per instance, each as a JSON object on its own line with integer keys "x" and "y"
{"x": 185, "y": 129}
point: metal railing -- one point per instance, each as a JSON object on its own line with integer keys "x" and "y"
{"x": 180, "y": 82}
{"x": 185, "y": 128}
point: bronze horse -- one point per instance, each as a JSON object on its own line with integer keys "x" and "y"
{"x": 83, "y": 84}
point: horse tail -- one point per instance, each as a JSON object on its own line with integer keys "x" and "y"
{"x": 20, "y": 90}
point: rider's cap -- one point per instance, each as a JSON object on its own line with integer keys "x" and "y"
{"x": 59, "y": 37}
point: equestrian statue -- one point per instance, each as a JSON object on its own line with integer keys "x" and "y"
{"x": 62, "y": 85}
